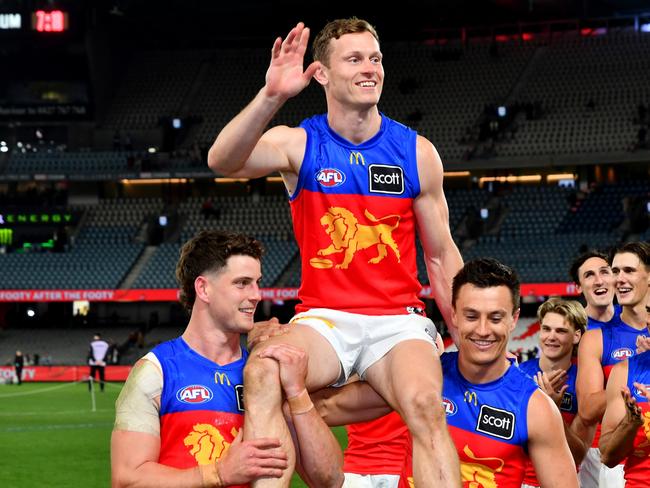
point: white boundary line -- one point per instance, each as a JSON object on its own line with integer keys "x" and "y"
{"x": 50, "y": 413}
{"x": 41, "y": 390}
{"x": 52, "y": 388}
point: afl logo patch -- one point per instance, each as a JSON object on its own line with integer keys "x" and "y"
{"x": 622, "y": 354}
{"x": 639, "y": 394}
{"x": 386, "y": 179}
{"x": 194, "y": 394}
{"x": 330, "y": 177}
{"x": 449, "y": 406}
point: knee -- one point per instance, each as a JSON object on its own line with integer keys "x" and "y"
{"x": 422, "y": 410}
{"x": 260, "y": 374}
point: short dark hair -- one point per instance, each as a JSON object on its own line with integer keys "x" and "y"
{"x": 580, "y": 260}
{"x": 334, "y": 30}
{"x": 208, "y": 251}
{"x": 487, "y": 273}
{"x": 638, "y": 248}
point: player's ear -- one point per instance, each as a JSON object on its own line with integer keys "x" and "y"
{"x": 201, "y": 285}
{"x": 321, "y": 75}
{"x": 577, "y": 335}
{"x": 515, "y": 318}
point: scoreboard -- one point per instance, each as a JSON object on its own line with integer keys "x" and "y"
{"x": 23, "y": 231}
{"x": 50, "y": 21}
{"x": 41, "y": 21}
{"x": 43, "y": 41}
{"x": 34, "y": 18}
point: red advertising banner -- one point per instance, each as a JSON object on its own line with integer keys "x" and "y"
{"x": 548, "y": 289}
{"x": 62, "y": 373}
{"x": 148, "y": 295}
{"x": 171, "y": 294}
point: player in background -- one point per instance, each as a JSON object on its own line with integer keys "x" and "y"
{"x": 562, "y": 323}
{"x": 626, "y": 424}
{"x": 603, "y": 348}
{"x": 593, "y": 277}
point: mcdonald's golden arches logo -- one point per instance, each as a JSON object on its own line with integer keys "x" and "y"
{"x": 357, "y": 158}
{"x": 470, "y": 397}
{"x": 221, "y": 378}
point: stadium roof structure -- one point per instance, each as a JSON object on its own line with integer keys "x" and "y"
{"x": 257, "y": 22}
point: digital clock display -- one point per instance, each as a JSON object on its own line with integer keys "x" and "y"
{"x": 50, "y": 21}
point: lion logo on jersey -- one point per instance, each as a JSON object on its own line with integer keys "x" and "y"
{"x": 206, "y": 443}
{"x": 349, "y": 236}
{"x": 479, "y": 474}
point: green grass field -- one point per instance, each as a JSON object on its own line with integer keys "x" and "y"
{"x": 49, "y": 436}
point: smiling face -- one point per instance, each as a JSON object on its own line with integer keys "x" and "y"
{"x": 557, "y": 336}
{"x": 233, "y": 293}
{"x": 631, "y": 278}
{"x": 596, "y": 282}
{"x": 485, "y": 319}
{"x": 354, "y": 75}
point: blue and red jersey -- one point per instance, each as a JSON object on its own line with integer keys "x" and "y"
{"x": 354, "y": 223}
{"x": 488, "y": 423}
{"x": 619, "y": 344}
{"x": 637, "y": 464}
{"x": 597, "y": 324}
{"x": 201, "y": 405}
{"x": 568, "y": 408}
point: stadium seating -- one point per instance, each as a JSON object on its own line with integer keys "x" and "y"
{"x": 442, "y": 91}
{"x": 268, "y": 219}
{"x": 68, "y": 347}
{"x": 153, "y": 86}
{"x": 68, "y": 163}
{"x": 539, "y": 234}
{"x": 99, "y": 256}
{"x": 570, "y": 72}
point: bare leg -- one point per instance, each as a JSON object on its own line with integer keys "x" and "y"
{"x": 263, "y": 392}
{"x": 416, "y": 393}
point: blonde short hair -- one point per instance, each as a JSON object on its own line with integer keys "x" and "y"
{"x": 334, "y": 30}
{"x": 572, "y": 311}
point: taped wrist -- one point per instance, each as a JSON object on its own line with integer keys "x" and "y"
{"x": 301, "y": 403}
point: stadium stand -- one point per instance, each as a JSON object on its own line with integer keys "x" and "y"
{"x": 588, "y": 106}
{"x": 533, "y": 228}
{"x": 153, "y": 87}
{"x": 67, "y": 163}
{"x": 561, "y": 97}
{"x": 268, "y": 219}
{"x": 130, "y": 99}
{"x": 58, "y": 348}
